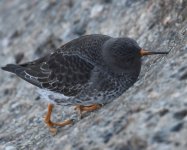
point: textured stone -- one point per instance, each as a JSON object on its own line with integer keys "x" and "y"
{"x": 150, "y": 115}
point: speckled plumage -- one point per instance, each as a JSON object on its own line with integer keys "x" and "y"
{"x": 88, "y": 70}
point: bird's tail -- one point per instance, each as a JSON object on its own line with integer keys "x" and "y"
{"x": 21, "y": 71}
{"x": 13, "y": 68}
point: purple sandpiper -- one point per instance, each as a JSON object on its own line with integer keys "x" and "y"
{"x": 87, "y": 72}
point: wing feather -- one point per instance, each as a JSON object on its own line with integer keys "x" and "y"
{"x": 67, "y": 70}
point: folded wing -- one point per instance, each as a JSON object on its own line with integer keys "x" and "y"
{"x": 66, "y": 74}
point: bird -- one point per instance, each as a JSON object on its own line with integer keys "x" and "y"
{"x": 87, "y": 72}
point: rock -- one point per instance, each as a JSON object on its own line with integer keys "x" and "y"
{"x": 161, "y": 137}
{"x": 49, "y": 44}
{"x": 96, "y": 11}
{"x": 163, "y": 112}
{"x": 10, "y": 148}
{"x": 19, "y": 57}
{"x": 80, "y": 28}
{"x": 180, "y": 114}
{"x": 177, "y": 127}
{"x": 152, "y": 114}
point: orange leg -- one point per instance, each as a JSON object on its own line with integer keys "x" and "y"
{"x": 51, "y": 124}
{"x": 81, "y": 108}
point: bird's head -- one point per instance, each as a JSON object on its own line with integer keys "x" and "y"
{"x": 123, "y": 55}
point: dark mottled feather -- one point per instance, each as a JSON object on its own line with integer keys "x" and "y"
{"x": 66, "y": 70}
{"x": 88, "y": 70}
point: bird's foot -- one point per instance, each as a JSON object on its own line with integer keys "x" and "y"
{"x": 81, "y": 108}
{"x": 51, "y": 124}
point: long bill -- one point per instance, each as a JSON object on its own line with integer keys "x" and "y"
{"x": 144, "y": 52}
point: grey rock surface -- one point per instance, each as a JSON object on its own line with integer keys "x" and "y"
{"x": 151, "y": 115}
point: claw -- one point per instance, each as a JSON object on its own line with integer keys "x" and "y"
{"x": 80, "y": 108}
{"x": 51, "y": 124}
